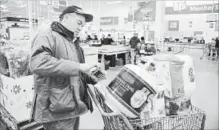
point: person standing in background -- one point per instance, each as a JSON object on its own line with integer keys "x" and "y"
{"x": 217, "y": 46}
{"x": 60, "y": 73}
{"x": 202, "y": 41}
{"x": 102, "y": 39}
{"x": 95, "y": 38}
{"x": 212, "y": 48}
{"x": 123, "y": 41}
{"x": 142, "y": 43}
{"x": 133, "y": 44}
{"x": 108, "y": 40}
{"x": 88, "y": 38}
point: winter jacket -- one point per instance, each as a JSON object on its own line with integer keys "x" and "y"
{"x": 54, "y": 59}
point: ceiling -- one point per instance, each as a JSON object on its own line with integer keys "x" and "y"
{"x": 40, "y": 9}
{"x": 19, "y": 8}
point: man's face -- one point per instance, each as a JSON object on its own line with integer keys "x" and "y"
{"x": 74, "y": 22}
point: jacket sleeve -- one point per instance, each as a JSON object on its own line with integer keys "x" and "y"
{"x": 43, "y": 63}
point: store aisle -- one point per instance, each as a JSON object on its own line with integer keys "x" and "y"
{"x": 204, "y": 97}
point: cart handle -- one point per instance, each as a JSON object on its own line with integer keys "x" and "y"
{"x": 112, "y": 114}
{"x": 99, "y": 106}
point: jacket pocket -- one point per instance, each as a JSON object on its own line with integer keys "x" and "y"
{"x": 61, "y": 99}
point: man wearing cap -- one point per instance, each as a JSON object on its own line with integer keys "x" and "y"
{"x": 60, "y": 73}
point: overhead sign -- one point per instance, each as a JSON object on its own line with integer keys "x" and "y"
{"x": 108, "y": 20}
{"x": 192, "y": 9}
{"x": 146, "y": 11}
{"x": 59, "y": 6}
{"x": 173, "y": 25}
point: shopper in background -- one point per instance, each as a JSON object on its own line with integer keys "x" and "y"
{"x": 102, "y": 39}
{"x": 123, "y": 41}
{"x": 95, "y": 38}
{"x": 142, "y": 43}
{"x": 212, "y": 48}
{"x": 88, "y": 38}
{"x": 202, "y": 41}
{"x": 108, "y": 40}
{"x": 133, "y": 43}
{"x": 60, "y": 73}
{"x": 217, "y": 45}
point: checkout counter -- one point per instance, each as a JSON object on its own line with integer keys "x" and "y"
{"x": 112, "y": 53}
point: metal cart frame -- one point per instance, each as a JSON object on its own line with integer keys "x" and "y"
{"x": 115, "y": 120}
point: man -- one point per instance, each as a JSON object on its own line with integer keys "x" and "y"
{"x": 133, "y": 43}
{"x": 60, "y": 74}
{"x": 102, "y": 39}
{"x": 217, "y": 46}
{"x": 108, "y": 40}
{"x": 202, "y": 41}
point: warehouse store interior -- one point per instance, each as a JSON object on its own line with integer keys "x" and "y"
{"x": 157, "y": 62}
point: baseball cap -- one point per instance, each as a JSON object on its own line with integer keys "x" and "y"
{"x": 77, "y": 10}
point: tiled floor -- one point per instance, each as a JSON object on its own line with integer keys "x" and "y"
{"x": 204, "y": 97}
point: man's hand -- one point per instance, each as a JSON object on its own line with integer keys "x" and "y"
{"x": 87, "y": 67}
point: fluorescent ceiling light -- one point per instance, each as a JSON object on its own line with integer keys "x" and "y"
{"x": 114, "y": 2}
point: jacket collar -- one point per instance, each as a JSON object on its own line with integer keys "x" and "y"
{"x": 58, "y": 27}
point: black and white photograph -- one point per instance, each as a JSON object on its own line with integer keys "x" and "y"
{"x": 109, "y": 64}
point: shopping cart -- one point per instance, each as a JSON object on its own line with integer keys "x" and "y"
{"x": 209, "y": 53}
{"x": 195, "y": 120}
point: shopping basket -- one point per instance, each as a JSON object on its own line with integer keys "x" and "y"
{"x": 195, "y": 120}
